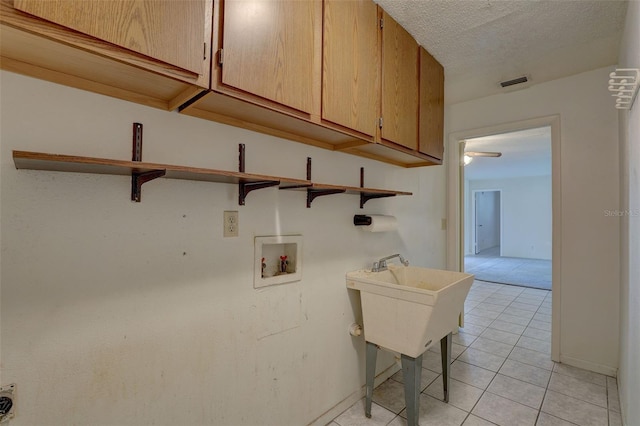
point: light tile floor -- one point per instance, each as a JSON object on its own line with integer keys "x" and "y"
{"x": 501, "y": 373}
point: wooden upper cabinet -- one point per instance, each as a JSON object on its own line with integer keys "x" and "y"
{"x": 399, "y": 85}
{"x": 169, "y": 31}
{"x": 431, "y": 106}
{"x": 351, "y": 65}
{"x": 271, "y": 48}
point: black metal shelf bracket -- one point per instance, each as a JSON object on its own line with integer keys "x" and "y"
{"x": 312, "y": 194}
{"x": 244, "y": 187}
{"x": 366, "y": 196}
{"x": 140, "y": 178}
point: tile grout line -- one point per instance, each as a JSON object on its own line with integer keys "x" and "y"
{"x": 579, "y": 399}
{"x": 539, "y": 411}
{"x": 544, "y": 396}
{"x": 483, "y": 390}
{"x": 505, "y": 360}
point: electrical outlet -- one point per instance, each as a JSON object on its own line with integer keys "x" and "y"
{"x": 230, "y": 224}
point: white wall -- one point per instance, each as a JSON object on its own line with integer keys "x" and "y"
{"x": 589, "y": 254}
{"x": 629, "y": 374}
{"x": 526, "y": 215}
{"x": 121, "y": 313}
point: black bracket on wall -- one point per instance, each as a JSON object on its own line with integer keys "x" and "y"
{"x": 366, "y": 196}
{"x": 313, "y": 193}
{"x": 140, "y": 178}
{"x": 245, "y": 187}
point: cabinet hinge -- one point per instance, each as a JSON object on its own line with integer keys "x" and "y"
{"x": 220, "y": 56}
{"x": 381, "y": 23}
{"x": 380, "y": 122}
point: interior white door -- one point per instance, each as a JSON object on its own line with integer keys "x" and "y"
{"x": 487, "y": 229}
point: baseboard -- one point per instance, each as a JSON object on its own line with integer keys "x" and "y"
{"x": 588, "y": 365}
{"x": 337, "y": 409}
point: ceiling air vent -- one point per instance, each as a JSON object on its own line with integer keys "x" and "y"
{"x": 515, "y": 81}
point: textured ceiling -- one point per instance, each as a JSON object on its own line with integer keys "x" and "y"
{"x": 524, "y": 153}
{"x": 483, "y": 42}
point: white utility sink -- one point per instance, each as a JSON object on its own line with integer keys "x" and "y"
{"x": 406, "y": 308}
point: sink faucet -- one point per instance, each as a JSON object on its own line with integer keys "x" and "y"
{"x": 381, "y": 265}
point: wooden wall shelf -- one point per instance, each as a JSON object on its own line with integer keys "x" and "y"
{"x": 142, "y": 172}
{"x": 315, "y": 190}
{"x": 80, "y": 164}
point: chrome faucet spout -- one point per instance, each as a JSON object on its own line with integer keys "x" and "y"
{"x": 381, "y": 265}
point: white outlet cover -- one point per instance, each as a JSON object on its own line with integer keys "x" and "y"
{"x": 271, "y": 247}
{"x": 230, "y": 224}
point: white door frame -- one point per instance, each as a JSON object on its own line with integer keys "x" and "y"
{"x": 473, "y": 241}
{"x": 455, "y": 204}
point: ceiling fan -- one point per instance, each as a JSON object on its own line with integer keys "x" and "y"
{"x": 468, "y": 155}
{"x": 482, "y": 154}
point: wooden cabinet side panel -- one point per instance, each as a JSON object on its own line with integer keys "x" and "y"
{"x": 351, "y": 65}
{"x": 431, "y": 106}
{"x": 399, "y": 85}
{"x": 169, "y": 31}
{"x": 270, "y": 50}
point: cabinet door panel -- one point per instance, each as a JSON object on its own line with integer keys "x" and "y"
{"x": 431, "y": 106}
{"x": 399, "y": 85}
{"x": 166, "y": 30}
{"x": 269, "y": 49}
{"x": 351, "y": 65}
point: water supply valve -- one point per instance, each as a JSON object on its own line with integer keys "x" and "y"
{"x": 355, "y": 330}
{"x": 7, "y": 402}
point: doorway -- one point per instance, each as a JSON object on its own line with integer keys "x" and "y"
{"x": 508, "y": 209}
{"x": 486, "y": 222}
{"x": 460, "y": 195}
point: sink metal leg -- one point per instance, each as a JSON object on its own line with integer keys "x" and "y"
{"x": 372, "y": 354}
{"x": 445, "y": 351}
{"x": 412, "y": 372}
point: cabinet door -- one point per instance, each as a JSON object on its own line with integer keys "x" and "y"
{"x": 269, "y": 49}
{"x": 351, "y": 65}
{"x": 399, "y": 85}
{"x": 169, "y": 31}
{"x": 431, "y": 106}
